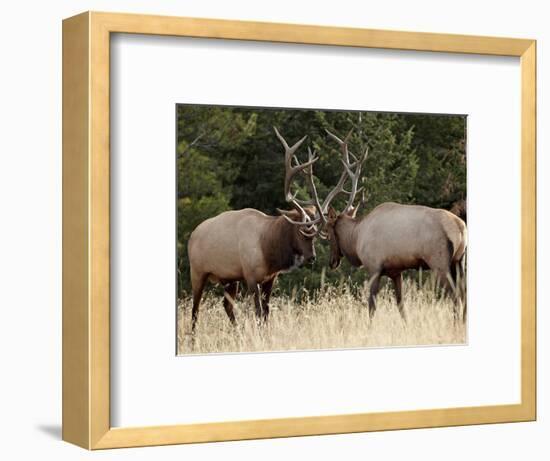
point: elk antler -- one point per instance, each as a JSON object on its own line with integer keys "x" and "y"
{"x": 291, "y": 170}
{"x": 352, "y": 170}
{"x": 349, "y": 171}
{"x": 321, "y": 208}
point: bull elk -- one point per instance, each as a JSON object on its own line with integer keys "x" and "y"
{"x": 393, "y": 237}
{"x": 251, "y": 247}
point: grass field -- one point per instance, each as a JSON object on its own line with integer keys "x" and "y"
{"x": 333, "y": 318}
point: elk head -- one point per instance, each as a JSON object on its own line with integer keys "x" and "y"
{"x": 318, "y": 218}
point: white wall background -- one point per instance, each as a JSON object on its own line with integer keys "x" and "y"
{"x": 30, "y": 228}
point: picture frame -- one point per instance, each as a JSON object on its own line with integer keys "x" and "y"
{"x": 86, "y": 230}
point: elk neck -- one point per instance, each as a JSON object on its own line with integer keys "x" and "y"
{"x": 276, "y": 242}
{"x": 346, "y": 233}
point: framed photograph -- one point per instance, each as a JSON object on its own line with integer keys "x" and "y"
{"x": 276, "y": 230}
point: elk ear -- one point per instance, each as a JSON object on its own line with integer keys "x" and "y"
{"x": 332, "y": 214}
{"x": 352, "y": 212}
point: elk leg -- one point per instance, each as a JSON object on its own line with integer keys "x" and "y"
{"x": 445, "y": 281}
{"x": 197, "y": 283}
{"x": 266, "y": 294}
{"x": 229, "y": 296}
{"x": 453, "y": 272}
{"x": 397, "y": 280}
{"x": 255, "y": 288}
{"x": 374, "y": 287}
{"x": 462, "y": 283}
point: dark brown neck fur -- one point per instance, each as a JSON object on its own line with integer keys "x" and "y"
{"x": 345, "y": 233}
{"x": 277, "y": 245}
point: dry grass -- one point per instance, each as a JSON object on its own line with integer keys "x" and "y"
{"x": 333, "y": 319}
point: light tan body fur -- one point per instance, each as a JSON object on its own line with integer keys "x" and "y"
{"x": 228, "y": 247}
{"x": 393, "y": 238}
{"x": 245, "y": 245}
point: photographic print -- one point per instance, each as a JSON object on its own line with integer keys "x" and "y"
{"x": 307, "y": 229}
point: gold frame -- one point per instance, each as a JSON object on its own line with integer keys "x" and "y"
{"x": 86, "y": 393}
